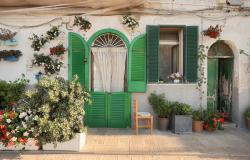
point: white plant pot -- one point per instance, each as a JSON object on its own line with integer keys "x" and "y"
{"x": 176, "y": 81}
{"x": 75, "y": 144}
{"x": 30, "y": 145}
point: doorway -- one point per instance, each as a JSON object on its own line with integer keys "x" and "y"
{"x": 220, "y": 78}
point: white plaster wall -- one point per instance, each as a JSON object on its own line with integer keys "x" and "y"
{"x": 236, "y": 30}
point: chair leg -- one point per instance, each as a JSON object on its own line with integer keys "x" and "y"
{"x": 151, "y": 125}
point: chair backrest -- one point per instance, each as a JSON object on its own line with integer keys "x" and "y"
{"x": 135, "y": 109}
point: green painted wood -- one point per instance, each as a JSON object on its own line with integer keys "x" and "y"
{"x": 191, "y": 53}
{"x": 118, "y": 110}
{"x": 96, "y": 113}
{"x": 212, "y": 84}
{"x": 137, "y": 65}
{"x": 153, "y": 35}
{"x": 78, "y": 59}
{"x": 108, "y": 30}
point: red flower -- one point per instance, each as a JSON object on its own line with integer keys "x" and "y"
{"x": 3, "y": 137}
{"x": 221, "y": 120}
{"x": 214, "y": 119}
{"x": 206, "y": 125}
{"x": 215, "y": 115}
{"x": 22, "y": 140}
{"x": 9, "y": 136}
{"x": 11, "y": 114}
{"x": 10, "y": 144}
{"x": 1, "y": 112}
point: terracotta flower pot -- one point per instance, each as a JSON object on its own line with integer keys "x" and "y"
{"x": 210, "y": 129}
{"x": 163, "y": 123}
{"x": 248, "y": 123}
{"x": 197, "y": 126}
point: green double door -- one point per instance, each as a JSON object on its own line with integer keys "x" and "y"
{"x": 109, "y": 110}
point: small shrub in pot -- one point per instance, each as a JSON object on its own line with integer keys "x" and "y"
{"x": 197, "y": 116}
{"x": 182, "y": 118}
{"x": 247, "y": 115}
{"x": 162, "y": 108}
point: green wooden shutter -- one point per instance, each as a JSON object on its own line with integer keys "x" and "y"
{"x": 119, "y": 110}
{"x": 137, "y": 65}
{"x": 77, "y": 58}
{"x": 153, "y": 35}
{"x": 191, "y": 56}
{"x": 96, "y": 113}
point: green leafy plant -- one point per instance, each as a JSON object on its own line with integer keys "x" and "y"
{"x": 197, "y": 115}
{"x": 11, "y": 92}
{"x": 82, "y": 23}
{"x": 6, "y": 34}
{"x": 51, "y": 66}
{"x": 57, "y": 50}
{"x": 213, "y": 120}
{"x": 39, "y": 41}
{"x": 181, "y": 109}
{"x": 247, "y": 113}
{"x": 57, "y": 109}
{"x": 160, "y": 106}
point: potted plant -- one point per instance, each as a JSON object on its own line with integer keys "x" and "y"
{"x": 57, "y": 50}
{"x": 57, "y": 113}
{"x": 247, "y": 115}
{"x": 197, "y": 116}
{"x": 182, "y": 118}
{"x": 213, "y": 121}
{"x": 175, "y": 77}
{"x": 162, "y": 108}
{"x": 213, "y": 32}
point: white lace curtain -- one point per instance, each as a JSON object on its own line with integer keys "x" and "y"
{"x": 109, "y": 68}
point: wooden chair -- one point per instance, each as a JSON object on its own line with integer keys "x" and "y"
{"x": 144, "y": 117}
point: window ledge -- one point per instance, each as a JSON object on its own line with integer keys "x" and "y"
{"x": 173, "y": 84}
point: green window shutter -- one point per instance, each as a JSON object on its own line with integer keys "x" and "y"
{"x": 153, "y": 36}
{"x": 137, "y": 65}
{"x": 96, "y": 113}
{"x": 191, "y": 56}
{"x": 118, "y": 110}
{"x": 77, "y": 55}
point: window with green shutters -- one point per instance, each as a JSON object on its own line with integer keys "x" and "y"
{"x": 137, "y": 65}
{"x": 78, "y": 59}
{"x": 187, "y": 39}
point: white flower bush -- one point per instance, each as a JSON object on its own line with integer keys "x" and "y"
{"x": 129, "y": 22}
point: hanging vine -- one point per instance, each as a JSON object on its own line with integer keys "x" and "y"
{"x": 201, "y": 70}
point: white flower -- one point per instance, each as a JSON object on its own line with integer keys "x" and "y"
{"x": 25, "y": 134}
{"x": 8, "y": 120}
{"x": 26, "y": 118}
{"x": 29, "y": 111}
{"x": 13, "y": 139}
{"x": 13, "y": 131}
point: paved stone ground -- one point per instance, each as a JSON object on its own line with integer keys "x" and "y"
{"x": 121, "y": 144}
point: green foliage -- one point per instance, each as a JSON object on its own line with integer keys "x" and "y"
{"x": 160, "y": 106}
{"x": 51, "y": 66}
{"x": 197, "y": 115}
{"x": 247, "y": 113}
{"x": 181, "y": 109}
{"x": 82, "y": 23}
{"x": 11, "y": 92}
{"x": 8, "y": 53}
{"x": 56, "y": 106}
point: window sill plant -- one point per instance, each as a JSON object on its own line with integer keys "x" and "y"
{"x": 247, "y": 115}
{"x": 182, "y": 118}
{"x": 175, "y": 77}
{"x": 197, "y": 116}
{"x": 162, "y": 108}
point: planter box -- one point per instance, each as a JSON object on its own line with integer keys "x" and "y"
{"x": 30, "y": 145}
{"x": 76, "y": 144}
{"x": 182, "y": 124}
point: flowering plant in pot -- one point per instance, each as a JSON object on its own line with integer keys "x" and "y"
{"x": 82, "y": 23}
{"x": 10, "y": 55}
{"x": 57, "y": 109}
{"x": 197, "y": 116}
{"x": 213, "y": 32}
{"x": 182, "y": 118}
{"x": 162, "y": 108}
{"x": 6, "y": 34}
{"x": 176, "y": 77}
{"x": 57, "y": 50}
{"x": 13, "y": 128}
{"x": 213, "y": 121}
{"x": 129, "y": 22}
{"x": 247, "y": 115}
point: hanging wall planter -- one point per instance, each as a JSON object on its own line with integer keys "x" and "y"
{"x": 7, "y": 37}
{"x": 82, "y": 23}
{"x": 11, "y": 42}
{"x": 10, "y": 55}
{"x": 213, "y": 32}
{"x": 129, "y": 22}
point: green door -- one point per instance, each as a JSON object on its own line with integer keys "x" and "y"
{"x": 110, "y": 110}
{"x": 212, "y": 84}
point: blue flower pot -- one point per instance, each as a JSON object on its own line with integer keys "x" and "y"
{"x": 10, "y": 58}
